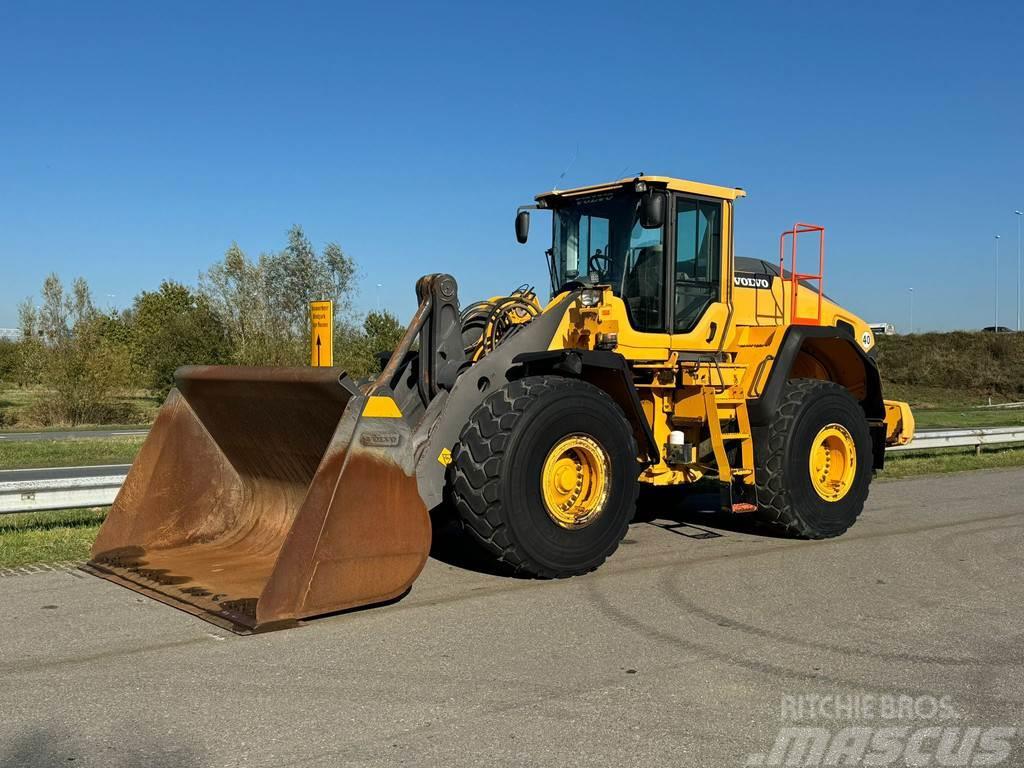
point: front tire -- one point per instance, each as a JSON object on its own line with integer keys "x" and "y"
{"x": 544, "y": 476}
{"x": 813, "y": 461}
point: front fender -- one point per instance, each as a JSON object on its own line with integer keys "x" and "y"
{"x": 608, "y": 371}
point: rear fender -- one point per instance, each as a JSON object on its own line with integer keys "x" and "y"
{"x": 831, "y": 354}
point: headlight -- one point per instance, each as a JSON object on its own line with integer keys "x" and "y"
{"x": 590, "y": 297}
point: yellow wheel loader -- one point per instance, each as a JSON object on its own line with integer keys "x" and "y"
{"x": 265, "y": 496}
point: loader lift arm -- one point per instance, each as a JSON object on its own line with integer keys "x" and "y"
{"x": 436, "y": 326}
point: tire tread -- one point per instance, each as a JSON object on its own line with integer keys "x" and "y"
{"x": 478, "y": 463}
{"x": 774, "y": 501}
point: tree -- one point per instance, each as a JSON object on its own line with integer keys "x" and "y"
{"x": 171, "y": 327}
{"x": 55, "y": 310}
{"x": 264, "y": 304}
{"x": 78, "y": 353}
{"x": 59, "y": 312}
{"x": 30, "y": 347}
{"x": 383, "y": 331}
{"x": 28, "y": 319}
{"x": 80, "y": 306}
{"x": 358, "y": 350}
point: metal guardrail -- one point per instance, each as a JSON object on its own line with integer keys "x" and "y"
{"x": 962, "y": 438}
{"x": 77, "y": 492}
{"x": 58, "y": 493}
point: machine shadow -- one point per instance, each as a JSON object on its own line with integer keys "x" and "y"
{"x": 693, "y": 515}
{"x": 49, "y": 747}
{"x": 689, "y": 513}
{"x": 451, "y": 545}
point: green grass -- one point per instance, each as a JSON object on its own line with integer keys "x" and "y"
{"x": 48, "y": 537}
{"x": 15, "y": 397}
{"x": 944, "y": 460}
{"x": 935, "y": 398}
{"x": 975, "y": 417}
{"x": 69, "y": 453}
{"x": 935, "y": 407}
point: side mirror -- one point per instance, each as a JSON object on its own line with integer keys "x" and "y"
{"x": 522, "y": 226}
{"x": 652, "y": 210}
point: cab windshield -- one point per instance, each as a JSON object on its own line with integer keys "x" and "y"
{"x": 598, "y": 239}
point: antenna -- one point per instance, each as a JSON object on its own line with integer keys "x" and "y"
{"x": 570, "y": 165}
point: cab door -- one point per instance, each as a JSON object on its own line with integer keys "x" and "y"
{"x": 697, "y": 288}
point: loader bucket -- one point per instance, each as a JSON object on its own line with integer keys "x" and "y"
{"x": 266, "y": 495}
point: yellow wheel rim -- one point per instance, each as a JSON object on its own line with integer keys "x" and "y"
{"x": 833, "y": 462}
{"x": 574, "y": 481}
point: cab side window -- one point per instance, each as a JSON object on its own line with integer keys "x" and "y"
{"x": 644, "y": 282}
{"x": 698, "y": 260}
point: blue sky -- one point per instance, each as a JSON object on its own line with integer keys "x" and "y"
{"x": 137, "y": 141}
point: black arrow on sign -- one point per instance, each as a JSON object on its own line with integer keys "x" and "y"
{"x": 318, "y": 350}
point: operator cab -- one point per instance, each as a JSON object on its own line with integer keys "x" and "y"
{"x": 656, "y": 242}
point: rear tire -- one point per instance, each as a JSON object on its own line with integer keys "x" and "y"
{"x": 813, "y": 461}
{"x": 507, "y": 458}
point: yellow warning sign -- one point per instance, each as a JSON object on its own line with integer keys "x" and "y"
{"x": 321, "y": 314}
{"x": 445, "y": 457}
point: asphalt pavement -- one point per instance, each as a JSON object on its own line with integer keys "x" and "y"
{"x": 73, "y": 434}
{"x": 56, "y": 473}
{"x": 680, "y": 651}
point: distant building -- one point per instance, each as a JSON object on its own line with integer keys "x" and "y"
{"x": 10, "y": 334}
{"x": 882, "y": 329}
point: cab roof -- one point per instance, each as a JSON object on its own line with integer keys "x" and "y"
{"x": 662, "y": 182}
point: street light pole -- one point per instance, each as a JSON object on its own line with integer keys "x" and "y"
{"x": 995, "y": 285}
{"x": 911, "y": 310}
{"x": 1020, "y": 215}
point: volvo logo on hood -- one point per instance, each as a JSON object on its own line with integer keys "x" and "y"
{"x": 748, "y": 280}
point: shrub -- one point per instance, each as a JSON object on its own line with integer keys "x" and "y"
{"x": 10, "y": 360}
{"x": 86, "y": 373}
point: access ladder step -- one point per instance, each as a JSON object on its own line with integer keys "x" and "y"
{"x": 735, "y": 435}
{"x": 741, "y": 507}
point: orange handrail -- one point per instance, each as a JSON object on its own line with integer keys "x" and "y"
{"x": 795, "y": 277}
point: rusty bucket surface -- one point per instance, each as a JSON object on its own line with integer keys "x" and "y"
{"x": 265, "y": 495}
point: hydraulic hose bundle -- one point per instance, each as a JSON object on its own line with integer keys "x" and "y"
{"x": 486, "y": 324}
